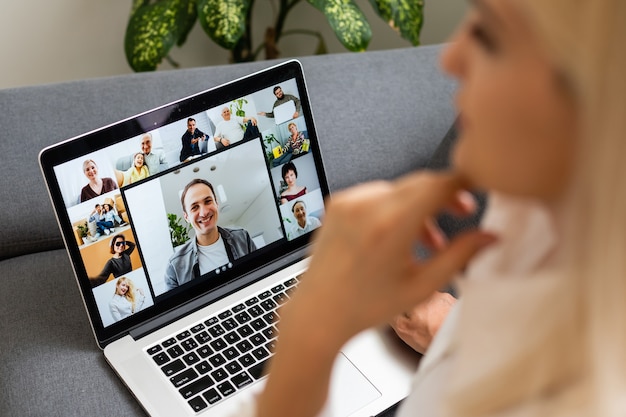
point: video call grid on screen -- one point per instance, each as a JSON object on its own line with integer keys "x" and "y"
{"x": 247, "y": 176}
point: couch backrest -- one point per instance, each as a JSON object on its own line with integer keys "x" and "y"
{"x": 378, "y": 114}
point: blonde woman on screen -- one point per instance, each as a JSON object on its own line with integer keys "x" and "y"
{"x": 126, "y": 300}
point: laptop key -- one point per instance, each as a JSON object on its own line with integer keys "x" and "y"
{"x": 247, "y": 360}
{"x": 189, "y": 344}
{"x": 258, "y": 324}
{"x": 217, "y": 330}
{"x": 278, "y": 288}
{"x": 245, "y": 331}
{"x": 270, "y": 332}
{"x": 196, "y": 387}
{"x": 205, "y": 351}
{"x": 230, "y": 324}
{"x": 252, "y": 301}
{"x": 232, "y": 337}
{"x": 175, "y": 351}
{"x": 173, "y": 368}
{"x": 211, "y": 321}
{"x": 265, "y": 294}
{"x": 197, "y": 404}
{"x": 183, "y": 335}
{"x": 225, "y": 314}
{"x": 258, "y": 339}
{"x": 154, "y": 349}
{"x": 268, "y": 304}
{"x": 197, "y": 328}
{"x": 233, "y": 367}
{"x": 218, "y": 344}
{"x": 271, "y": 317}
{"x": 219, "y": 375}
{"x": 260, "y": 353}
{"x": 241, "y": 380}
{"x": 230, "y": 353}
{"x": 203, "y": 367}
{"x": 243, "y": 317}
{"x": 259, "y": 370}
{"x": 271, "y": 346}
{"x": 161, "y": 358}
{"x": 212, "y": 396}
{"x": 191, "y": 358}
{"x": 244, "y": 346}
{"x": 169, "y": 342}
{"x": 238, "y": 308}
{"x": 203, "y": 337}
{"x": 226, "y": 388}
{"x": 184, "y": 378}
{"x": 256, "y": 311}
{"x": 217, "y": 360}
{"x": 281, "y": 298}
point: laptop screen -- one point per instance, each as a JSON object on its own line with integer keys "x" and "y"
{"x": 184, "y": 199}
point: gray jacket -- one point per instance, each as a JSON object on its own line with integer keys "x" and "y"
{"x": 183, "y": 265}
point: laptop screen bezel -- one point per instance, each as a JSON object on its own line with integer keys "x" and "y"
{"x": 104, "y": 137}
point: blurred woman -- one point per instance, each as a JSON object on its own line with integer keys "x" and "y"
{"x": 539, "y": 328}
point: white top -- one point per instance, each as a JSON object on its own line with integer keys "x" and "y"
{"x": 509, "y": 317}
{"x": 311, "y": 224}
{"x": 120, "y": 307}
{"x": 230, "y": 129}
{"x": 212, "y": 256}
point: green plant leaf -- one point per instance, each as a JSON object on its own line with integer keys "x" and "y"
{"x": 404, "y": 16}
{"x": 189, "y": 20}
{"x": 347, "y": 21}
{"x": 224, "y": 20}
{"x": 153, "y": 28}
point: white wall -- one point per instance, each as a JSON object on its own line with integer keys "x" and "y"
{"x": 61, "y": 40}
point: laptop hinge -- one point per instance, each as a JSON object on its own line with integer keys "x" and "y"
{"x": 171, "y": 316}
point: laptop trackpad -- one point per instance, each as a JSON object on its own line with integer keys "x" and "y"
{"x": 349, "y": 389}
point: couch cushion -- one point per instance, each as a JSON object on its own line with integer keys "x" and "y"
{"x": 378, "y": 114}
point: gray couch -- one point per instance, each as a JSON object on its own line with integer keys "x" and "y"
{"x": 378, "y": 115}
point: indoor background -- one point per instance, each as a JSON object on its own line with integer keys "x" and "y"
{"x": 47, "y": 42}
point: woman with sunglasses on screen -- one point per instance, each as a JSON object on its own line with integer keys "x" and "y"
{"x": 120, "y": 263}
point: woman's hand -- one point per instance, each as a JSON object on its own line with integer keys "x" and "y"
{"x": 418, "y": 326}
{"x": 363, "y": 272}
{"x": 364, "y": 266}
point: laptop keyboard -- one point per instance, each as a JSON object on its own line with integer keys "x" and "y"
{"x": 224, "y": 353}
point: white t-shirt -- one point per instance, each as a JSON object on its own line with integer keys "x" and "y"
{"x": 231, "y": 129}
{"x": 212, "y": 256}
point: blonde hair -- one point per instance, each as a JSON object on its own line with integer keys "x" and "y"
{"x": 87, "y": 162}
{"x": 130, "y": 294}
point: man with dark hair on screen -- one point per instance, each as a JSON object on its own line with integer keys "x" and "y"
{"x": 213, "y": 246}
{"x": 282, "y": 98}
{"x": 191, "y": 140}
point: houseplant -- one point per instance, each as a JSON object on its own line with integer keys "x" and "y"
{"x": 155, "y": 26}
{"x": 179, "y": 233}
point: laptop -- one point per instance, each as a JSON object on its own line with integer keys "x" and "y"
{"x": 187, "y": 232}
